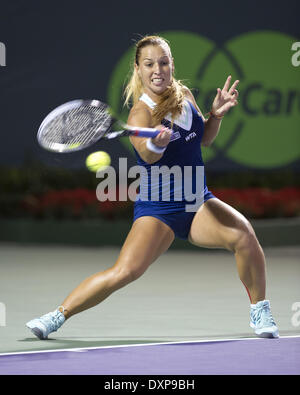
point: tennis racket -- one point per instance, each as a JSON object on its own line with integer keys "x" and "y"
{"x": 78, "y": 124}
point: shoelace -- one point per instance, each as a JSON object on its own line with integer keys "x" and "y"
{"x": 263, "y": 316}
{"x": 53, "y": 320}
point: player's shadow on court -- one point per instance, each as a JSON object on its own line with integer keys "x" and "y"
{"x": 89, "y": 342}
{"x": 66, "y": 343}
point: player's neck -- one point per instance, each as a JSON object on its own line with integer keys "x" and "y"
{"x": 153, "y": 96}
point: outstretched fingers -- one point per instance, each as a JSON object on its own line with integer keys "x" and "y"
{"x": 227, "y": 84}
{"x": 232, "y": 90}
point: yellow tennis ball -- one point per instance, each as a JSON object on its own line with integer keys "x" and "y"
{"x": 98, "y": 161}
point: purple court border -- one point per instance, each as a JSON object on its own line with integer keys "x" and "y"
{"x": 218, "y": 357}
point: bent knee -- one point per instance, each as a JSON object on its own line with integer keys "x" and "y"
{"x": 244, "y": 238}
{"x": 127, "y": 274}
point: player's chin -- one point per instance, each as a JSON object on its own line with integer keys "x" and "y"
{"x": 159, "y": 89}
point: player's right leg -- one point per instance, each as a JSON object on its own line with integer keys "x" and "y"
{"x": 147, "y": 240}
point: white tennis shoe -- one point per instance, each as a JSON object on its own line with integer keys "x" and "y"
{"x": 261, "y": 320}
{"x": 48, "y": 323}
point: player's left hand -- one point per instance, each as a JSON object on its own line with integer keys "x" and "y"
{"x": 225, "y": 98}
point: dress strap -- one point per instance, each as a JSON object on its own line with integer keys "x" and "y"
{"x": 184, "y": 120}
{"x": 147, "y": 100}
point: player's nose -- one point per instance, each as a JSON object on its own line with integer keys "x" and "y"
{"x": 156, "y": 68}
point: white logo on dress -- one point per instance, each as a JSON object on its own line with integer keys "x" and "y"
{"x": 190, "y": 136}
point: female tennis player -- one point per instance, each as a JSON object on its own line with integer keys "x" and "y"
{"x": 161, "y": 101}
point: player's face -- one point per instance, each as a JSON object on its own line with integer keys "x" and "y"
{"x": 155, "y": 69}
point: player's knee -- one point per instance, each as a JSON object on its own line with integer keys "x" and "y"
{"x": 127, "y": 274}
{"x": 245, "y": 238}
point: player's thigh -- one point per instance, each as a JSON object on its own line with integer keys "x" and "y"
{"x": 147, "y": 240}
{"x": 218, "y": 225}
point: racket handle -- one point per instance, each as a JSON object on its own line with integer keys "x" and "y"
{"x": 144, "y": 133}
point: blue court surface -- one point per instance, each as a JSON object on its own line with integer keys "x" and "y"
{"x": 222, "y": 357}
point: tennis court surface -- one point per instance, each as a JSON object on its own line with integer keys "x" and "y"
{"x": 188, "y": 314}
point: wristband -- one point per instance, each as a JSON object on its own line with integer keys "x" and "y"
{"x": 219, "y": 117}
{"x": 154, "y": 148}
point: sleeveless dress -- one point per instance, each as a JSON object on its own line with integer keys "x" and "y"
{"x": 173, "y": 188}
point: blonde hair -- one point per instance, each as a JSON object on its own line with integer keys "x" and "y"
{"x": 171, "y": 101}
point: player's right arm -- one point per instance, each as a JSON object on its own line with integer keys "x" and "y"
{"x": 140, "y": 116}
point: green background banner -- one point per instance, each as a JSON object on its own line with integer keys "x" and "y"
{"x": 263, "y": 131}
{"x": 86, "y": 52}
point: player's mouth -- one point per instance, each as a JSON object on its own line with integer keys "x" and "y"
{"x": 157, "y": 81}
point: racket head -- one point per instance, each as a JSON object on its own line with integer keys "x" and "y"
{"x": 74, "y": 125}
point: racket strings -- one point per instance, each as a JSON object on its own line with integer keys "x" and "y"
{"x": 99, "y": 125}
{"x": 78, "y": 126}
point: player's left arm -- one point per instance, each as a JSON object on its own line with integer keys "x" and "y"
{"x": 224, "y": 100}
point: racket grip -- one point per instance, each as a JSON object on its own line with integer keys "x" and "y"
{"x": 144, "y": 133}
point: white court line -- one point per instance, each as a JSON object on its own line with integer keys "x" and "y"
{"x": 83, "y": 349}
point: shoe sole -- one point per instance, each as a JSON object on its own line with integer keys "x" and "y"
{"x": 265, "y": 335}
{"x": 37, "y": 332}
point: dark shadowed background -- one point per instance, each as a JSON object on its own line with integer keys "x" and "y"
{"x": 59, "y": 51}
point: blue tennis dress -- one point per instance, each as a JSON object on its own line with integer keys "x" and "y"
{"x": 173, "y": 188}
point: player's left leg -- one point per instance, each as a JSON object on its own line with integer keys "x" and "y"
{"x": 218, "y": 225}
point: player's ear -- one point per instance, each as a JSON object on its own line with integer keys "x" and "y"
{"x": 137, "y": 69}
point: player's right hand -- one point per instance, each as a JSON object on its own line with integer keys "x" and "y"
{"x": 163, "y": 138}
